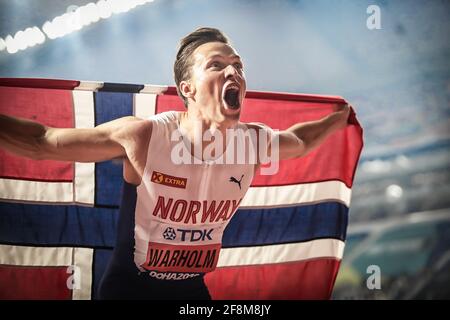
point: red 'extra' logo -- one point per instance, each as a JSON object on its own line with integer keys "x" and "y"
{"x": 173, "y": 258}
{"x": 171, "y": 181}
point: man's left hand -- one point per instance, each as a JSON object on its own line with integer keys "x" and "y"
{"x": 342, "y": 113}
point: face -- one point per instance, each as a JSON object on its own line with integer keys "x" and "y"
{"x": 217, "y": 85}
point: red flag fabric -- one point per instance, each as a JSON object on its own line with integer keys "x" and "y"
{"x": 285, "y": 241}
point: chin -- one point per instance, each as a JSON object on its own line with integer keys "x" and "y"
{"x": 234, "y": 116}
{"x": 230, "y": 114}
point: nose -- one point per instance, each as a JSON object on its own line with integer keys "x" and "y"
{"x": 231, "y": 72}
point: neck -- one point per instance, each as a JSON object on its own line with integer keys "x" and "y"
{"x": 195, "y": 123}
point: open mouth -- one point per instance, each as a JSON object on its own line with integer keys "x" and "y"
{"x": 231, "y": 98}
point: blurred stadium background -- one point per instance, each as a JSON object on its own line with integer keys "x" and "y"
{"x": 397, "y": 78}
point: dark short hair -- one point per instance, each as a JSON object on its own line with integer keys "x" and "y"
{"x": 187, "y": 46}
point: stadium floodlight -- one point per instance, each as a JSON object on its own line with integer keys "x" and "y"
{"x": 11, "y": 44}
{"x": 2, "y": 44}
{"x": 394, "y": 192}
{"x": 76, "y": 18}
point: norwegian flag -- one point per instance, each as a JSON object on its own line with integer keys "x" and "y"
{"x": 58, "y": 219}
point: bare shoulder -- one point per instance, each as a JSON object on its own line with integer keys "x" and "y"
{"x": 129, "y": 128}
{"x": 134, "y": 135}
{"x": 127, "y": 123}
{"x": 259, "y": 128}
{"x": 256, "y": 125}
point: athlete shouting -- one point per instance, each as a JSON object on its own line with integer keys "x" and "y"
{"x": 168, "y": 203}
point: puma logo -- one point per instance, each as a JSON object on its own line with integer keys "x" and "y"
{"x": 233, "y": 179}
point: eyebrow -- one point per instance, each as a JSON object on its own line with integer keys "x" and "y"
{"x": 221, "y": 56}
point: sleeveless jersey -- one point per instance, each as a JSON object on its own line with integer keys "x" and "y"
{"x": 171, "y": 225}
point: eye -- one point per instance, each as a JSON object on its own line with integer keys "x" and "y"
{"x": 238, "y": 65}
{"x": 215, "y": 64}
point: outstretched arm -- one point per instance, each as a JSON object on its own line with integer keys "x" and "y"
{"x": 301, "y": 138}
{"x": 33, "y": 140}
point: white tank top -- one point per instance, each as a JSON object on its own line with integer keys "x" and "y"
{"x": 183, "y": 209}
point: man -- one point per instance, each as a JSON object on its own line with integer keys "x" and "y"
{"x": 168, "y": 204}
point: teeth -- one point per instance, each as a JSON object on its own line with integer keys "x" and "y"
{"x": 233, "y": 86}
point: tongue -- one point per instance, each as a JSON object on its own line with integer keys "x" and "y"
{"x": 231, "y": 98}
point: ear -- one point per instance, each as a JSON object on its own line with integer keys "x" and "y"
{"x": 187, "y": 89}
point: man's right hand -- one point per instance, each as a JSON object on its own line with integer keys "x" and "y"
{"x": 110, "y": 140}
